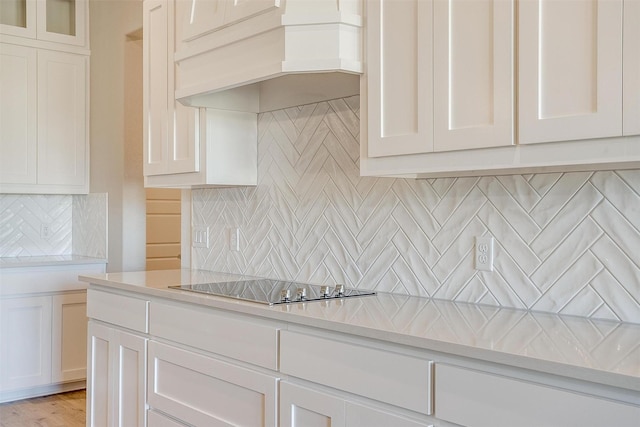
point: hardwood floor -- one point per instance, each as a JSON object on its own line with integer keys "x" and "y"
{"x": 58, "y": 410}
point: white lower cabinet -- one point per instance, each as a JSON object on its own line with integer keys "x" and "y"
{"x": 473, "y": 398}
{"x": 42, "y": 344}
{"x": 203, "y": 391}
{"x": 305, "y": 407}
{"x": 117, "y": 379}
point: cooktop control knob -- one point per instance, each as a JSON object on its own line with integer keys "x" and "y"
{"x": 325, "y": 291}
{"x": 302, "y": 294}
{"x": 339, "y": 290}
{"x": 285, "y": 295}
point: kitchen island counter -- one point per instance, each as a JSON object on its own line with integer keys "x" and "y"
{"x": 597, "y": 351}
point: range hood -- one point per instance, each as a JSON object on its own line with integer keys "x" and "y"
{"x": 272, "y": 54}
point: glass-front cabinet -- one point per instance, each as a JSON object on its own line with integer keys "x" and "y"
{"x": 60, "y": 21}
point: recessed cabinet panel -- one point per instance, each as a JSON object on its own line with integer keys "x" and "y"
{"x": 18, "y": 103}
{"x": 69, "y": 353}
{"x": 204, "y": 391}
{"x": 62, "y": 118}
{"x": 400, "y": 88}
{"x": 156, "y": 120}
{"x": 304, "y": 407}
{"x": 631, "y": 74}
{"x": 473, "y": 74}
{"x": 570, "y": 69}
{"x": 25, "y": 342}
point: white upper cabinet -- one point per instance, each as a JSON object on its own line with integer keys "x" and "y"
{"x": 181, "y": 146}
{"x": 631, "y": 70}
{"x": 440, "y": 75}
{"x": 570, "y": 70}
{"x": 44, "y": 138}
{"x": 399, "y": 77}
{"x": 58, "y": 21}
{"x": 473, "y": 73}
{"x": 18, "y": 112}
{"x": 509, "y": 87}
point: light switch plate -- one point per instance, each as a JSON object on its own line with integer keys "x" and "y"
{"x": 200, "y": 238}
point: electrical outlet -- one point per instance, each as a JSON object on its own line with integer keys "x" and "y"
{"x": 484, "y": 253}
{"x": 45, "y": 231}
{"x": 234, "y": 239}
{"x": 200, "y": 237}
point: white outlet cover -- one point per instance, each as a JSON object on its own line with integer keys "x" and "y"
{"x": 200, "y": 238}
{"x": 483, "y": 253}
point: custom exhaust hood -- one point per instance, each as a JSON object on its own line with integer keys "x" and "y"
{"x": 263, "y": 55}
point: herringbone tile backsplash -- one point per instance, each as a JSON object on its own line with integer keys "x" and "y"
{"x": 77, "y": 224}
{"x": 564, "y": 243}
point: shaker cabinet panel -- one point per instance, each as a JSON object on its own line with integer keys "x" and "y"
{"x": 69, "y": 341}
{"x": 62, "y": 118}
{"x": 570, "y": 70}
{"x": 25, "y": 342}
{"x": 305, "y": 407}
{"x": 399, "y": 67}
{"x": 473, "y": 74}
{"x": 155, "y": 93}
{"x": 18, "y": 114}
{"x": 631, "y": 72}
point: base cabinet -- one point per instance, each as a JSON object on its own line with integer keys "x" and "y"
{"x": 305, "y": 407}
{"x": 116, "y": 382}
{"x": 203, "y": 391}
{"x": 42, "y": 344}
{"x": 473, "y": 398}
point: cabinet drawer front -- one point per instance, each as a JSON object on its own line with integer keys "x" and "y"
{"x": 473, "y": 398}
{"x": 224, "y": 334}
{"x": 393, "y": 378}
{"x": 128, "y": 312}
{"x": 203, "y": 391}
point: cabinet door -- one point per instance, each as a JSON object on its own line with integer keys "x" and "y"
{"x": 473, "y": 73}
{"x": 116, "y": 380}
{"x": 62, "y": 118}
{"x": 18, "y": 113}
{"x": 155, "y": 61}
{"x": 631, "y": 59}
{"x": 399, "y": 47}
{"x": 129, "y": 376}
{"x": 69, "y": 337}
{"x": 304, "y": 407}
{"x": 18, "y": 18}
{"x": 570, "y": 70}
{"x": 202, "y": 391}
{"x": 25, "y": 342}
{"x": 100, "y": 375}
{"x": 62, "y": 21}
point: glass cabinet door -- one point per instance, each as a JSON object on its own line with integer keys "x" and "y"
{"x": 18, "y": 18}
{"x": 62, "y": 21}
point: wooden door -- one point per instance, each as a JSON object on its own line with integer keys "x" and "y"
{"x": 163, "y": 228}
{"x": 570, "y": 70}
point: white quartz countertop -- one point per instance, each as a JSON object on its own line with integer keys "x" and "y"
{"x": 48, "y": 260}
{"x": 603, "y": 352}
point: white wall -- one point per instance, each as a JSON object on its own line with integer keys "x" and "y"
{"x": 112, "y": 143}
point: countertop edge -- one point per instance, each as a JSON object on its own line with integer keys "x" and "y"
{"x": 598, "y": 376}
